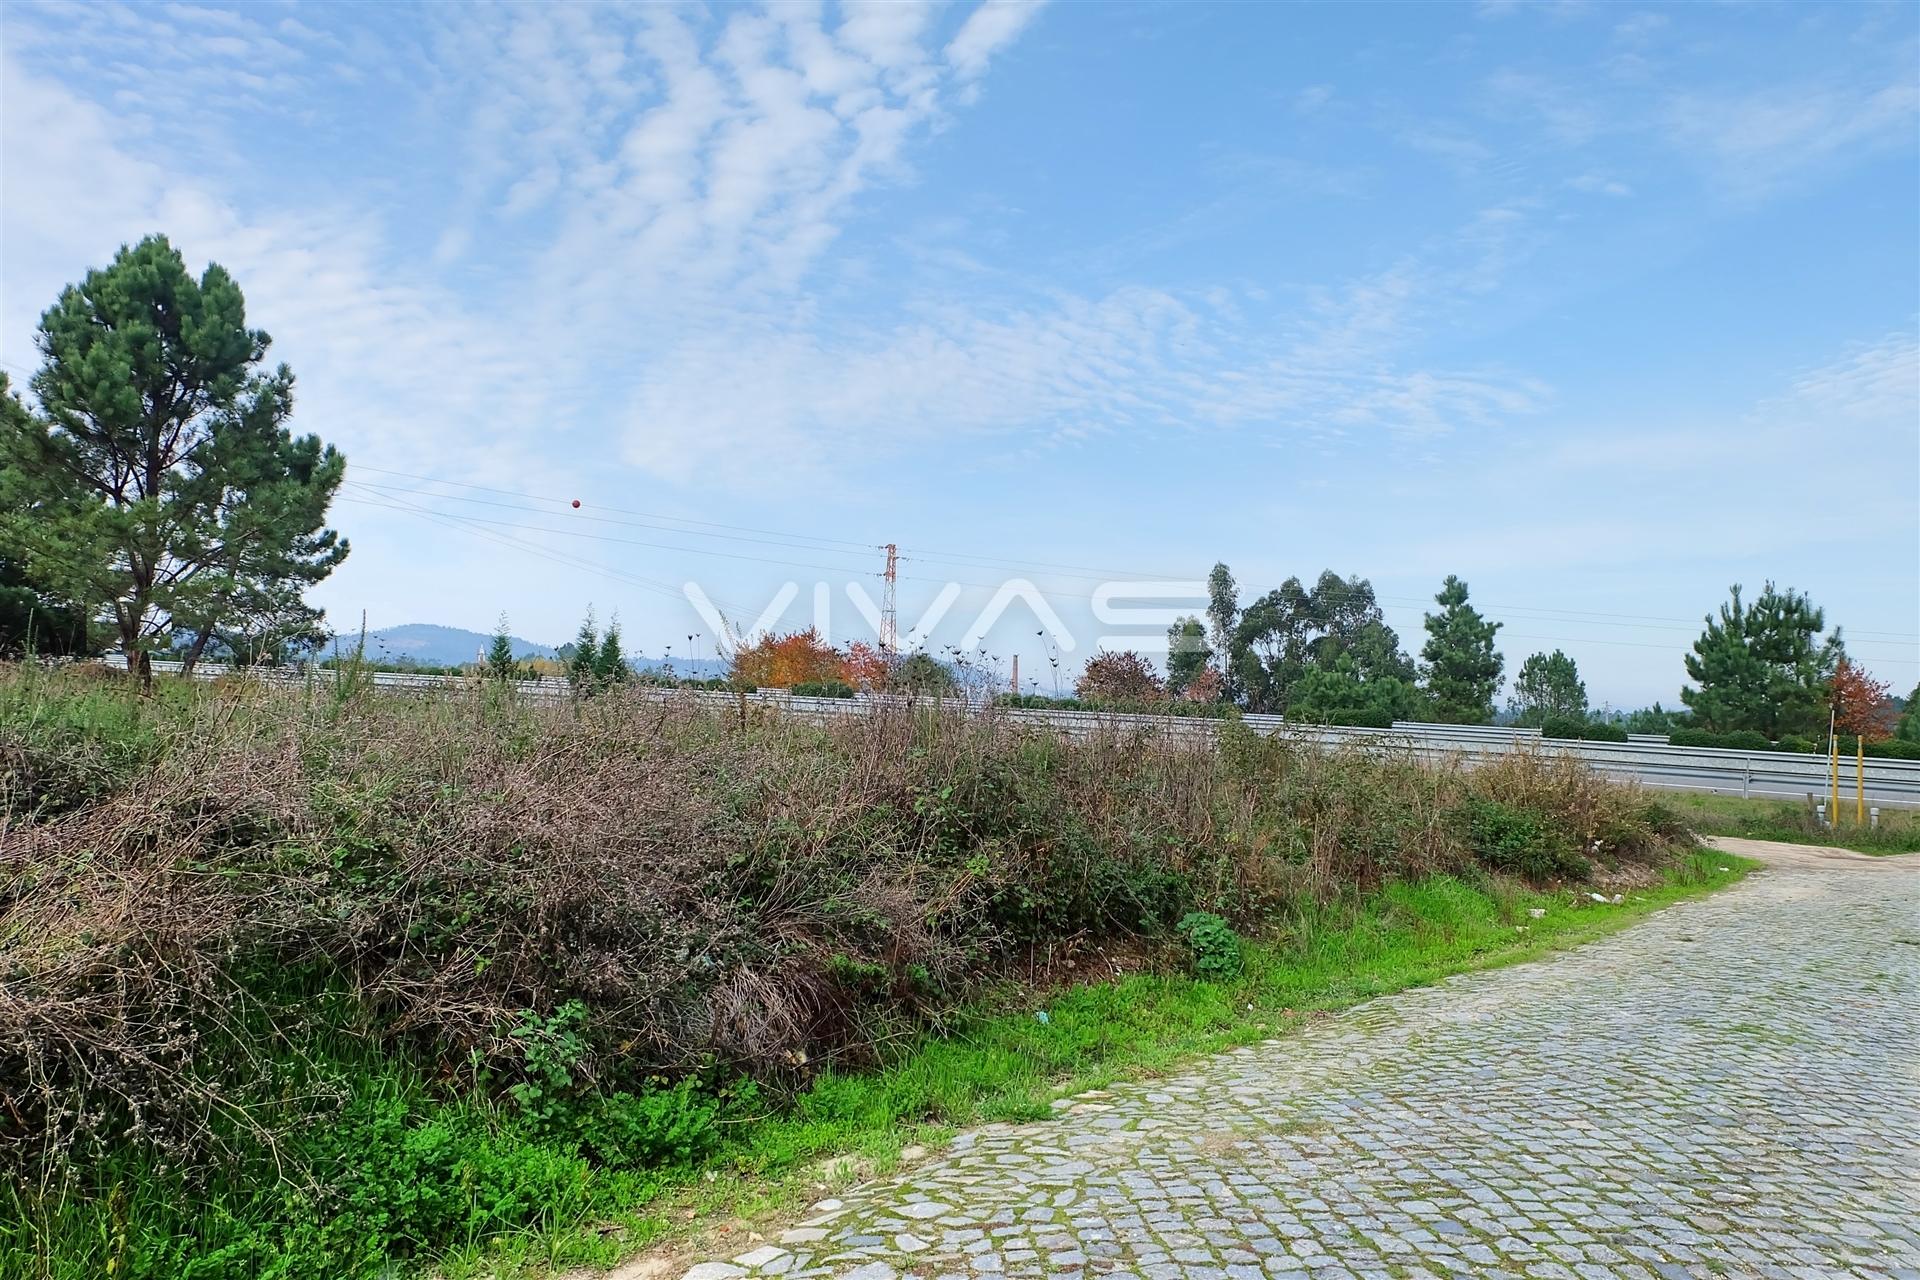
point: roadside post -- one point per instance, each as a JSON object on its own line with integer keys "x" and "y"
{"x": 1833, "y": 775}
{"x": 1860, "y": 782}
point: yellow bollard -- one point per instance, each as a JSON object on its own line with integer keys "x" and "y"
{"x": 1860, "y": 783}
{"x": 1833, "y": 768}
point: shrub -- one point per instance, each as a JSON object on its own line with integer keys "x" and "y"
{"x": 1885, "y": 748}
{"x": 1215, "y": 946}
{"x": 1737, "y": 739}
{"x": 1510, "y": 839}
{"x": 823, "y": 689}
{"x": 1599, "y": 731}
{"x": 1120, "y": 677}
{"x": 541, "y": 915}
{"x": 1563, "y": 727}
{"x": 668, "y": 1125}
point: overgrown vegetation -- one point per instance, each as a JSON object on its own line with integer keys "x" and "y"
{"x": 313, "y": 981}
{"x": 1796, "y": 822}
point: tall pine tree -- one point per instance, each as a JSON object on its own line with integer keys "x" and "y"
{"x": 1462, "y": 666}
{"x": 610, "y": 663}
{"x": 1763, "y": 666}
{"x": 158, "y": 479}
{"x": 585, "y": 655}
{"x": 1548, "y": 686}
{"x": 500, "y": 663}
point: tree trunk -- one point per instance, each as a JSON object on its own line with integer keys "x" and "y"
{"x": 139, "y": 662}
{"x": 199, "y": 646}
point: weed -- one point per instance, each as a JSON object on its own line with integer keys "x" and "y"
{"x": 1215, "y": 946}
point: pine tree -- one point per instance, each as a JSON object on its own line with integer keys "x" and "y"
{"x": 1462, "y": 666}
{"x": 610, "y": 664}
{"x": 1763, "y": 666}
{"x": 500, "y": 663}
{"x": 1548, "y": 686}
{"x": 581, "y": 663}
{"x": 159, "y": 477}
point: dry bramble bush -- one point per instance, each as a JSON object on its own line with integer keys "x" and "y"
{"x": 191, "y": 885}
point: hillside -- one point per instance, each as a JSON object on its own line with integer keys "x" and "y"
{"x": 432, "y": 645}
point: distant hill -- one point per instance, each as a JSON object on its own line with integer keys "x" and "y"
{"x": 432, "y": 645}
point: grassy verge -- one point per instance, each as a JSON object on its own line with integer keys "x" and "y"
{"x": 319, "y": 981}
{"x": 1793, "y": 822}
{"x": 1004, "y": 1063}
{"x": 995, "y": 1061}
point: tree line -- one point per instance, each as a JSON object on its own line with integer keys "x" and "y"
{"x": 154, "y": 498}
{"x": 1324, "y": 653}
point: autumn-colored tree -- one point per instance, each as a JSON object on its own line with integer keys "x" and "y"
{"x": 864, "y": 667}
{"x": 1208, "y": 686}
{"x": 780, "y": 662}
{"x": 1120, "y": 677}
{"x": 1861, "y": 704}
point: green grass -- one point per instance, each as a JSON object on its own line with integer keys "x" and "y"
{"x": 1793, "y": 821}
{"x": 1005, "y": 1064}
{"x": 524, "y": 1207}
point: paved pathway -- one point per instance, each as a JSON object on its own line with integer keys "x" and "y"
{"x": 1731, "y": 1088}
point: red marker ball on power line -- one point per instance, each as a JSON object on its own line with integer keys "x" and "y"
{"x": 576, "y": 502}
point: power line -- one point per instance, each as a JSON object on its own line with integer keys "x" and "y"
{"x": 599, "y": 519}
{"x": 1090, "y": 573}
{"x": 648, "y": 515}
{"x": 1389, "y": 602}
{"x": 636, "y": 542}
{"x": 465, "y": 525}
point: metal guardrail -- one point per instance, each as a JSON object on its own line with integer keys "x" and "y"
{"x": 1653, "y": 763}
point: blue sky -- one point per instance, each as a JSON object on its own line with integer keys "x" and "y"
{"x": 1602, "y": 307}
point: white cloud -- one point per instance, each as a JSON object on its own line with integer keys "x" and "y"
{"x": 784, "y": 400}
{"x": 1875, "y": 381}
{"x": 674, "y": 184}
{"x": 1312, "y": 99}
{"x": 987, "y": 30}
{"x": 1755, "y": 140}
{"x": 386, "y": 363}
{"x": 1599, "y": 184}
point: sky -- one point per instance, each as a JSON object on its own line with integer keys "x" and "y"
{"x": 1602, "y": 307}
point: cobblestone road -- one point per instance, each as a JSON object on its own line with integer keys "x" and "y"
{"x": 1731, "y": 1088}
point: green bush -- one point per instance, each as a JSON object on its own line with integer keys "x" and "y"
{"x": 1215, "y": 946}
{"x": 1733, "y": 740}
{"x": 1599, "y": 731}
{"x": 1793, "y": 742}
{"x": 1510, "y": 839}
{"x": 531, "y": 917}
{"x": 1361, "y": 719}
{"x": 1120, "y": 706}
{"x": 1564, "y": 727}
{"x": 823, "y": 689}
{"x": 1885, "y": 749}
{"x": 668, "y": 1126}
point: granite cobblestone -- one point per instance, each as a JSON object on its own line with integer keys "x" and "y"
{"x": 1730, "y": 1088}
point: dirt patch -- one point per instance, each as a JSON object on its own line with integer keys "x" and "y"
{"x": 1816, "y": 856}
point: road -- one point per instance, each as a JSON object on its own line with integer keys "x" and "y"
{"x": 1729, "y": 1088}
